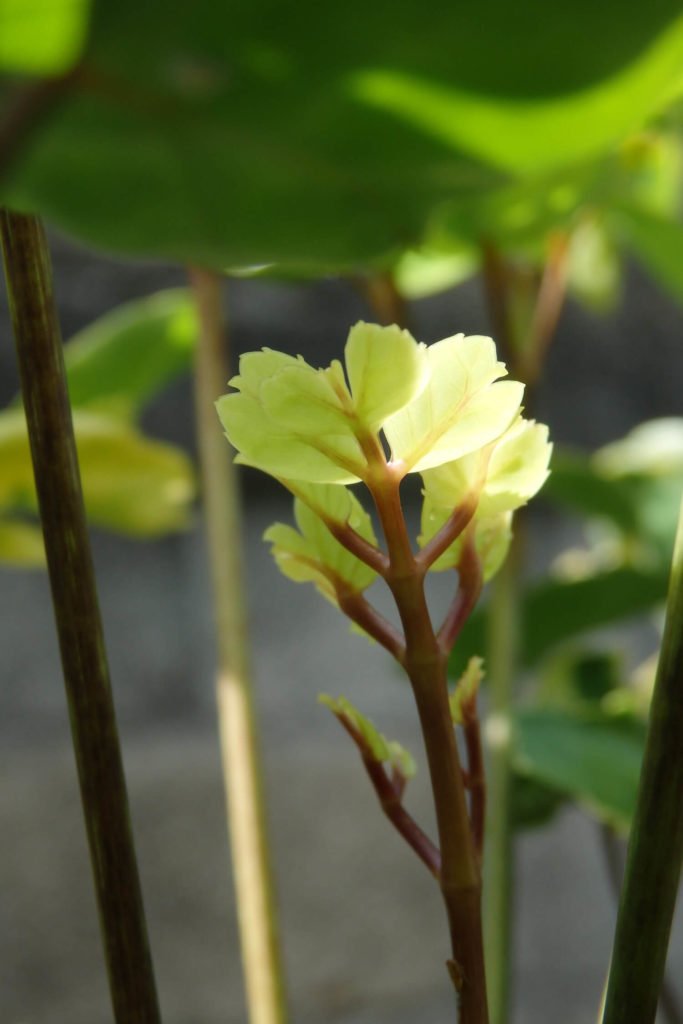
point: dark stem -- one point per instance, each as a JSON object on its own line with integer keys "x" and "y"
{"x": 79, "y": 626}
{"x": 655, "y": 852}
{"x": 615, "y": 855}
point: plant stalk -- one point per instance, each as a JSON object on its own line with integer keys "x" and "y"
{"x": 79, "y": 625}
{"x": 655, "y": 852}
{"x": 498, "y": 847}
{"x": 261, "y": 957}
{"x": 425, "y": 663}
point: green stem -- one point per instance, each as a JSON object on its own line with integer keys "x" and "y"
{"x": 655, "y": 853}
{"x": 241, "y": 761}
{"x": 498, "y": 848}
{"x": 77, "y": 614}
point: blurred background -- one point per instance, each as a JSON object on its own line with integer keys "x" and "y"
{"x": 338, "y": 175}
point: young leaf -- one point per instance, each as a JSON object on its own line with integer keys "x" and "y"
{"x": 460, "y": 410}
{"x": 387, "y": 369}
{"x": 287, "y": 419}
{"x": 505, "y": 474}
{"x": 492, "y": 540}
{"x": 374, "y": 743}
{"x": 312, "y": 554}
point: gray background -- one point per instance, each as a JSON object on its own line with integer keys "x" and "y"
{"x": 363, "y": 931}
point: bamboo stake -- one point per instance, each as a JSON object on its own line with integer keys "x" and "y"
{"x": 241, "y": 763}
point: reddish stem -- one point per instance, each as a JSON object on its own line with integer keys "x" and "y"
{"x": 365, "y": 615}
{"x": 458, "y": 520}
{"x": 389, "y": 792}
{"x": 467, "y": 595}
{"x": 357, "y": 545}
{"x": 476, "y": 780}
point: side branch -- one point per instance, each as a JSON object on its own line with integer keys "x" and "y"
{"x": 365, "y": 615}
{"x": 357, "y": 545}
{"x": 458, "y": 521}
{"x": 469, "y": 589}
{"x": 389, "y": 792}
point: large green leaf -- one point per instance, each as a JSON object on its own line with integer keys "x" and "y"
{"x": 593, "y": 759}
{"x": 131, "y": 484}
{"x": 555, "y": 611}
{"x": 311, "y": 134}
{"x": 125, "y": 357}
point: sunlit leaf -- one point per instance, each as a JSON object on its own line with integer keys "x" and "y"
{"x": 387, "y": 369}
{"x": 42, "y": 37}
{"x": 312, "y": 554}
{"x": 460, "y": 410}
{"x": 505, "y": 475}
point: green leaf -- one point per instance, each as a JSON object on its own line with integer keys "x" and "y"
{"x": 232, "y": 138}
{"x": 21, "y": 545}
{"x": 421, "y": 273}
{"x": 593, "y": 759}
{"x": 387, "y": 369}
{"x": 42, "y": 37}
{"x": 533, "y": 803}
{"x": 634, "y": 483}
{"x": 131, "y": 484}
{"x": 460, "y": 410}
{"x": 555, "y": 611}
{"x": 125, "y": 357}
{"x": 657, "y": 241}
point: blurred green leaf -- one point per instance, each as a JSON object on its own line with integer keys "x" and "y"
{"x": 42, "y": 37}
{"x": 533, "y": 803}
{"x": 131, "y": 484}
{"x": 634, "y": 483}
{"x": 579, "y": 678}
{"x": 245, "y": 135}
{"x": 555, "y": 611}
{"x": 21, "y": 545}
{"x": 657, "y": 241}
{"x": 122, "y": 359}
{"x": 593, "y": 759}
